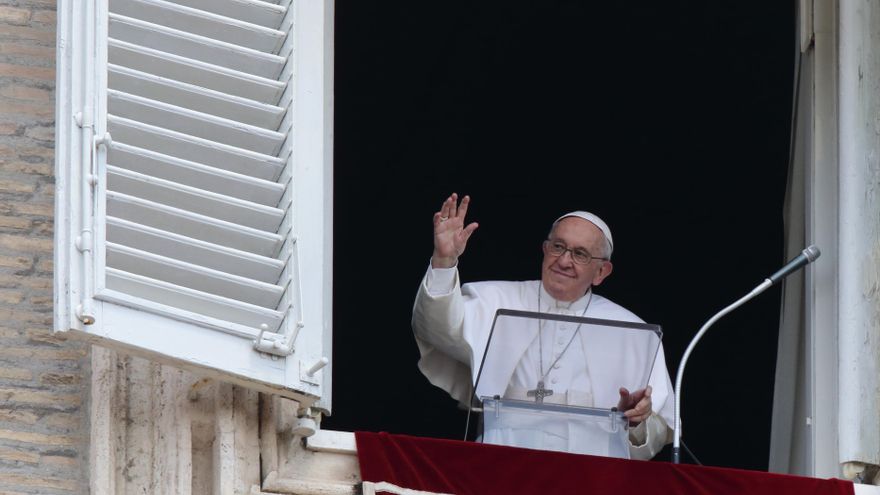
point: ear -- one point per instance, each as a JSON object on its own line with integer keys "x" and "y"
{"x": 602, "y": 272}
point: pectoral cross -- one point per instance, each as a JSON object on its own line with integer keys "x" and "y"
{"x": 539, "y": 393}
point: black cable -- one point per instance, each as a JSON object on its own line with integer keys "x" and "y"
{"x": 689, "y": 452}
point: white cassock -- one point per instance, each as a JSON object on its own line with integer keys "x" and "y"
{"x": 452, "y": 324}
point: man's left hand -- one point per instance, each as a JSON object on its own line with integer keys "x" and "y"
{"x": 636, "y": 406}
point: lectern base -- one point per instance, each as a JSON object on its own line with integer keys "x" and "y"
{"x": 577, "y": 430}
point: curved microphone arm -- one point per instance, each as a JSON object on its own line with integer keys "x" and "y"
{"x": 806, "y": 257}
{"x": 676, "y": 442}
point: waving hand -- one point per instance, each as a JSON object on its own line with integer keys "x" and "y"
{"x": 450, "y": 234}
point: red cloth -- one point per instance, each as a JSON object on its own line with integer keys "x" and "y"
{"x": 463, "y": 468}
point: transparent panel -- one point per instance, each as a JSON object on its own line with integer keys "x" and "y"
{"x": 552, "y": 382}
{"x": 577, "y": 430}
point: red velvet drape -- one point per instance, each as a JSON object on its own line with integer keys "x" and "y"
{"x": 458, "y": 467}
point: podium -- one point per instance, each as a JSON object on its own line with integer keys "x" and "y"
{"x": 518, "y": 409}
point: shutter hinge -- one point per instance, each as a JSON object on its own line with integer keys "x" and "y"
{"x": 276, "y": 344}
{"x": 292, "y": 419}
{"x": 84, "y": 241}
{"x": 84, "y": 313}
{"x": 106, "y": 140}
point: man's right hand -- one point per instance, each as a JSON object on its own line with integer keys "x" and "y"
{"x": 450, "y": 234}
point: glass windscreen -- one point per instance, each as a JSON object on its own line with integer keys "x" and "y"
{"x": 564, "y": 360}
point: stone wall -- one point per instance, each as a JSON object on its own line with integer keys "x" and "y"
{"x": 44, "y": 379}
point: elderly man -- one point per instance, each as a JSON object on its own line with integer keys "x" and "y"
{"x": 449, "y": 318}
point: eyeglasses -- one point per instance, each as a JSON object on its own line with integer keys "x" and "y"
{"x": 579, "y": 255}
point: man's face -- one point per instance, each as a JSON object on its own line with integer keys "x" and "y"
{"x": 564, "y": 279}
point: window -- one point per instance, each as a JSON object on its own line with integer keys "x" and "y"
{"x": 194, "y": 185}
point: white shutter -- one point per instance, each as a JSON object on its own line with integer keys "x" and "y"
{"x": 194, "y": 181}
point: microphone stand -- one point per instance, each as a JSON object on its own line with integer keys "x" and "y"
{"x": 806, "y": 257}
{"x": 676, "y": 441}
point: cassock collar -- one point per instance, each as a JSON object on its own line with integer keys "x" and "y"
{"x": 551, "y": 305}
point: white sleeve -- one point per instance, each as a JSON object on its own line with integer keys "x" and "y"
{"x": 440, "y": 281}
{"x": 438, "y": 321}
{"x": 648, "y": 438}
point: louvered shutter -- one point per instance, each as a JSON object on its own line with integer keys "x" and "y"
{"x": 194, "y": 184}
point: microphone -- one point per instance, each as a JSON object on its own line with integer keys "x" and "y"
{"x": 806, "y": 257}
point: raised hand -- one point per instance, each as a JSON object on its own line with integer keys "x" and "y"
{"x": 636, "y": 406}
{"x": 450, "y": 234}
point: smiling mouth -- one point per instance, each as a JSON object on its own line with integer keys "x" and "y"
{"x": 561, "y": 274}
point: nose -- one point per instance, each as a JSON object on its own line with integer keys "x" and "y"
{"x": 565, "y": 258}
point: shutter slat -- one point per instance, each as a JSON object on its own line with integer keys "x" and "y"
{"x": 203, "y": 23}
{"x": 193, "y": 225}
{"x": 193, "y": 200}
{"x": 190, "y": 103}
{"x": 195, "y": 47}
{"x": 253, "y": 11}
{"x": 195, "y": 174}
{"x": 194, "y": 149}
{"x": 192, "y": 276}
{"x": 172, "y": 245}
{"x": 246, "y": 318}
{"x": 194, "y": 97}
{"x": 195, "y": 72}
{"x": 194, "y": 123}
